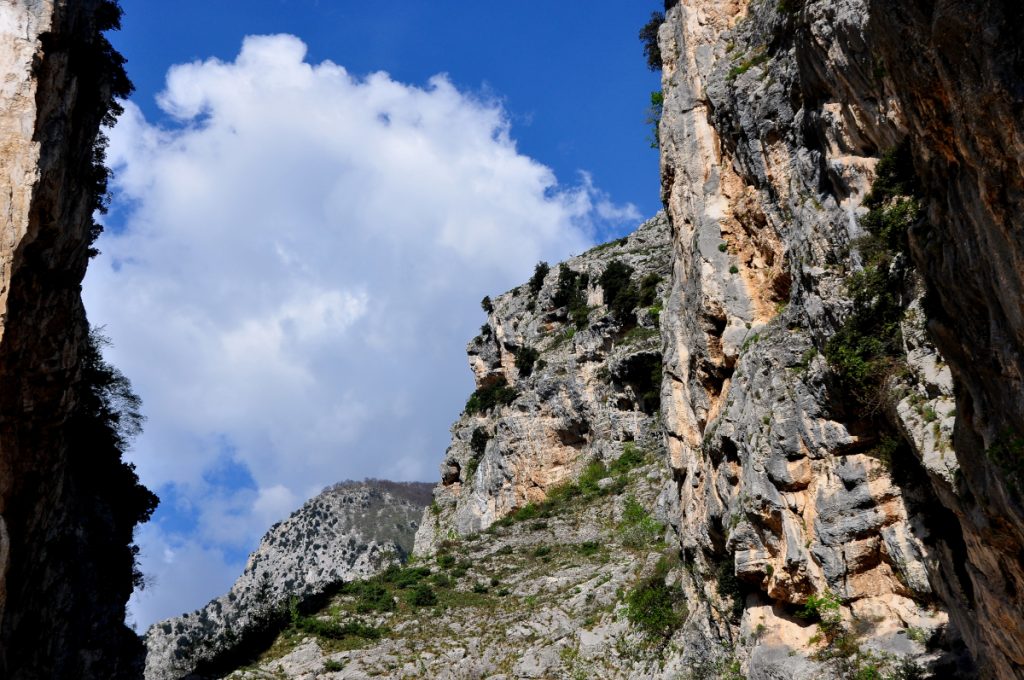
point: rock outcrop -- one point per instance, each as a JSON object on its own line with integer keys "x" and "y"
{"x": 574, "y": 379}
{"x": 350, "y": 531}
{"x": 68, "y": 505}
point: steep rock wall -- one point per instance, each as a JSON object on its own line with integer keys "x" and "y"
{"x": 774, "y": 119}
{"x": 67, "y": 504}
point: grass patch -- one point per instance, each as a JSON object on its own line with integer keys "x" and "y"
{"x": 637, "y": 528}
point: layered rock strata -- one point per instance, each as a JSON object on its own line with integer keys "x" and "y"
{"x": 350, "y": 531}
{"x": 774, "y": 119}
{"x": 67, "y": 504}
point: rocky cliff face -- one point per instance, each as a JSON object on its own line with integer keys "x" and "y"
{"x": 67, "y": 504}
{"x": 350, "y": 531}
{"x": 820, "y": 441}
{"x": 566, "y": 374}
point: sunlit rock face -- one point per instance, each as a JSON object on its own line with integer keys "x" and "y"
{"x": 775, "y": 117}
{"x": 66, "y": 566}
{"x": 592, "y": 385}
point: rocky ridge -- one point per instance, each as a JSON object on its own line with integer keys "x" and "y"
{"x": 350, "y": 531}
{"x": 582, "y": 580}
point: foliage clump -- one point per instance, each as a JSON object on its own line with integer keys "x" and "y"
{"x": 105, "y": 422}
{"x": 498, "y": 393}
{"x": 537, "y": 280}
{"x": 637, "y": 528}
{"x": 654, "y": 607}
{"x": 526, "y": 357}
{"x": 620, "y": 293}
{"x": 649, "y": 37}
{"x": 571, "y": 293}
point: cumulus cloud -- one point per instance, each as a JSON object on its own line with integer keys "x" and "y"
{"x": 293, "y": 266}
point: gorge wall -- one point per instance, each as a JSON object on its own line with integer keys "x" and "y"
{"x": 68, "y": 504}
{"x": 820, "y": 441}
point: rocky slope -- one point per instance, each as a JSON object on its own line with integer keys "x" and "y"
{"x": 68, "y": 505}
{"x": 539, "y": 595}
{"x": 350, "y": 531}
{"x": 821, "y": 443}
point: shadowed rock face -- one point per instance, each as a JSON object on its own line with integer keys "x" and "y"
{"x": 67, "y": 504}
{"x": 958, "y": 70}
{"x": 775, "y": 117}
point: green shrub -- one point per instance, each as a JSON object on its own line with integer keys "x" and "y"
{"x": 487, "y": 305}
{"x": 868, "y": 347}
{"x": 445, "y": 561}
{"x": 571, "y": 293}
{"x": 373, "y": 597}
{"x": 422, "y": 596}
{"x": 478, "y": 441}
{"x": 620, "y": 293}
{"x": 654, "y": 607}
{"x": 486, "y": 398}
{"x": 404, "y": 578}
{"x": 747, "y": 64}
{"x": 1007, "y": 453}
{"x": 654, "y": 114}
{"x": 637, "y": 528}
{"x": 333, "y": 630}
{"x": 649, "y": 37}
{"x": 537, "y": 280}
{"x": 631, "y": 457}
{"x": 649, "y": 289}
{"x": 332, "y": 666}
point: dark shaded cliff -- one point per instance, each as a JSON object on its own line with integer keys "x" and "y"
{"x": 68, "y": 504}
{"x": 957, "y": 68}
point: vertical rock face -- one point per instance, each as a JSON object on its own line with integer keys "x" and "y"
{"x": 563, "y": 379}
{"x": 67, "y": 503}
{"x": 821, "y": 443}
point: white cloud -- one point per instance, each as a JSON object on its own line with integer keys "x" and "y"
{"x": 299, "y": 267}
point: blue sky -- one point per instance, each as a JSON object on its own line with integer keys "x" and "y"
{"x": 571, "y": 74}
{"x": 309, "y": 201}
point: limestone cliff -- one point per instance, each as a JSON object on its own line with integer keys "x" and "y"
{"x": 820, "y": 441}
{"x": 68, "y": 504}
{"x": 352, "y": 530}
{"x": 575, "y": 379}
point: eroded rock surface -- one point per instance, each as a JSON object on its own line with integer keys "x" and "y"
{"x": 775, "y": 117}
